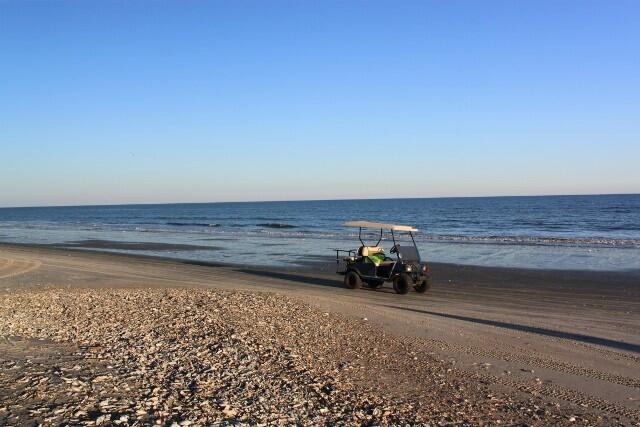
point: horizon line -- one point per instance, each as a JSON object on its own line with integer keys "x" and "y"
{"x": 312, "y": 200}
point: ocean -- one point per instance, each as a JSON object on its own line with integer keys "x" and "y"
{"x": 551, "y": 232}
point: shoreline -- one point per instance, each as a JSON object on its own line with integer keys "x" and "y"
{"x": 571, "y": 233}
{"x": 565, "y": 342}
{"x": 314, "y": 263}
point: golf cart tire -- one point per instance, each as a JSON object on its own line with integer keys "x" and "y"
{"x": 424, "y": 286}
{"x": 352, "y": 280}
{"x": 402, "y": 283}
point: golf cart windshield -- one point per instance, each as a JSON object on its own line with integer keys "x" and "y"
{"x": 408, "y": 253}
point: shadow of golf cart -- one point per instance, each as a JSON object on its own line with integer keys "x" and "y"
{"x": 370, "y": 266}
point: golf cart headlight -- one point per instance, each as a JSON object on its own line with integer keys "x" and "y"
{"x": 407, "y": 268}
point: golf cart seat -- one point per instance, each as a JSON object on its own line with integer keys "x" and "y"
{"x": 374, "y": 255}
{"x": 369, "y": 250}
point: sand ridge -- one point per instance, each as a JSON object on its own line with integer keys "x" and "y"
{"x": 205, "y": 356}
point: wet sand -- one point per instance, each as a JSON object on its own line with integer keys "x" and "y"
{"x": 132, "y": 246}
{"x": 546, "y": 347}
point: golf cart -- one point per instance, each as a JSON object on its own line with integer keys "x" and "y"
{"x": 370, "y": 266}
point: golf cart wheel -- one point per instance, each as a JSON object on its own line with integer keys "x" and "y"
{"x": 402, "y": 283}
{"x": 375, "y": 284}
{"x": 352, "y": 280}
{"x": 424, "y": 286}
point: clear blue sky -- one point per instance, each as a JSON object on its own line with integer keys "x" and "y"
{"x": 120, "y": 102}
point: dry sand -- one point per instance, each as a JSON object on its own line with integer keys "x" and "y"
{"x": 88, "y": 338}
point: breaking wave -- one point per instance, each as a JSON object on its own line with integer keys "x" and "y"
{"x": 276, "y": 225}
{"x": 192, "y": 224}
{"x": 537, "y": 241}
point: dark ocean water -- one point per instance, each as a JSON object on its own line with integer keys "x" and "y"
{"x": 564, "y": 232}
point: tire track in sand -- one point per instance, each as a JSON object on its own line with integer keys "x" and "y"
{"x": 557, "y": 392}
{"x": 10, "y": 267}
{"x": 538, "y": 361}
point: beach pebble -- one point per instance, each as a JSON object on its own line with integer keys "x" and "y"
{"x": 184, "y": 357}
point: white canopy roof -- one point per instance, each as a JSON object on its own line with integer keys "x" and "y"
{"x": 368, "y": 224}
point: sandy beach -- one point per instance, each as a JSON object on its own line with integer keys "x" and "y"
{"x": 94, "y": 338}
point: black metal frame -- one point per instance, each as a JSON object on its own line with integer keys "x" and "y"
{"x": 349, "y": 252}
{"x": 360, "y": 237}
